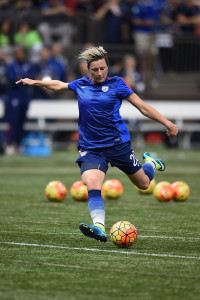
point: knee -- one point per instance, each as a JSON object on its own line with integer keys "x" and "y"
{"x": 91, "y": 183}
{"x": 143, "y": 185}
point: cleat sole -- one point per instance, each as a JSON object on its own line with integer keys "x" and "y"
{"x": 90, "y": 233}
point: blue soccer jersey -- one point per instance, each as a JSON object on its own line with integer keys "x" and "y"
{"x": 100, "y": 123}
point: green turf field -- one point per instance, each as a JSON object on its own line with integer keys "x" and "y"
{"x": 44, "y": 256}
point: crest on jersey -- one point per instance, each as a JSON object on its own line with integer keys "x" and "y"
{"x": 105, "y": 88}
{"x": 83, "y": 153}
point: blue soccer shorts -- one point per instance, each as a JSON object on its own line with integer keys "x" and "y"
{"x": 121, "y": 156}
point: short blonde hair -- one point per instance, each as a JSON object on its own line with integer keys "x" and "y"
{"x": 93, "y": 53}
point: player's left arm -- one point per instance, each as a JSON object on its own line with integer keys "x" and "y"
{"x": 150, "y": 112}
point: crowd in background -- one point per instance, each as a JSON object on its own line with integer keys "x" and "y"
{"x": 146, "y": 25}
{"x": 33, "y": 45}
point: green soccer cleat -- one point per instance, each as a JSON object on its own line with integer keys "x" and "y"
{"x": 93, "y": 231}
{"x": 159, "y": 163}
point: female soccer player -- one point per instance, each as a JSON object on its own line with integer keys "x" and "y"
{"x": 103, "y": 136}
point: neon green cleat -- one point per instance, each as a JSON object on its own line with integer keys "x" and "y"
{"x": 159, "y": 163}
{"x": 93, "y": 231}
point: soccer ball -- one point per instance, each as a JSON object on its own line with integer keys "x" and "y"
{"x": 79, "y": 191}
{"x": 181, "y": 190}
{"x": 55, "y": 191}
{"x": 112, "y": 189}
{"x": 163, "y": 191}
{"x": 123, "y": 234}
{"x": 149, "y": 190}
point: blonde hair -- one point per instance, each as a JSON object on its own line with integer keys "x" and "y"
{"x": 93, "y": 53}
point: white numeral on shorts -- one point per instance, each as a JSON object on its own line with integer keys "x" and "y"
{"x": 134, "y": 159}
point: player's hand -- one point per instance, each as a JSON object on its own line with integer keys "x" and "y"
{"x": 172, "y": 130}
{"x": 26, "y": 81}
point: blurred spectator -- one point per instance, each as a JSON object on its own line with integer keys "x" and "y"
{"x": 4, "y": 60}
{"x": 168, "y": 28}
{"x": 57, "y": 26}
{"x": 81, "y": 69}
{"x": 115, "y": 68}
{"x": 6, "y": 37}
{"x": 132, "y": 76}
{"x": 5, "y": 33}
{"x": 127, "y": 21}
{"x": 111, "y": 12}
{"x": 59, "y": 62}
{"x": 188, "y": 54}
{"x": 188, "y": 16}
{"x": 30, "y": 39}
{"x": 145, "y": 18}
{"x": 48, "y": 68}
{"x": 56, "y": 8}
{"x": 168, "y": 14}
{"x": 17, "y": 99}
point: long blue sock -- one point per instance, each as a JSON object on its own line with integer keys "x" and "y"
{"x": 149, "y": 170}
{"x": 96, "y": 207}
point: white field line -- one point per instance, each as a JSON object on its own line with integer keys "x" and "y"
{"x": 103, "y": 250}
{"x": 79, "y": 233}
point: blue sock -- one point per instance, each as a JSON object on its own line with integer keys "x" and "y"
{"x": 96, "y": 207}
{"x": 148, "y": 170}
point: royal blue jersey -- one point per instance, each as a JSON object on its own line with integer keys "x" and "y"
{"x": 100, "y": 123}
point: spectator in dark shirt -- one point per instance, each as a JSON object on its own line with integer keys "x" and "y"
{"x": 17, "y": 100}
{"x": 188, "y": 16}
{"x": 187, "y": 53}
{"x": 111, "y": 12}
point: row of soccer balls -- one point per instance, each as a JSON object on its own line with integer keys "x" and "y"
{"x": 166, "y": 191}
{"x": 113, "y": 189}
{"x": 57, "y": 191}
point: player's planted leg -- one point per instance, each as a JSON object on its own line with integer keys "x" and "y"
{"x": 97, "y": 212}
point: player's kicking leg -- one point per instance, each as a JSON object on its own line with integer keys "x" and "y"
{"x": 158, "y": 162}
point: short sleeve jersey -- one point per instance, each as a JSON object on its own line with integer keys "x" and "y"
{"x": 100, "y": 124}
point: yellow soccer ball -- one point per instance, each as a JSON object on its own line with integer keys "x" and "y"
{"x": 79, "y": 191}
{"x": 123, "y": 234}
{"x": 112, "y": 189}
{"x": 163, "y": 191}
{"x": 55, "y": 191}
{"x": 181, "y": 190}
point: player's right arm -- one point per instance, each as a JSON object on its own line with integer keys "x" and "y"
{"x": 54, "y": 85}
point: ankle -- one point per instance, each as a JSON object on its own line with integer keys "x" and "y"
{"x": 100, "y": 226}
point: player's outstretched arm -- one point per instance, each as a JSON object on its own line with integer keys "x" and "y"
{"x": 150, "y": 112}
{"x": 54, "y": 85}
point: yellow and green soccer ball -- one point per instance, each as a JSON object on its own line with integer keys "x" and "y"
{"x": 181, "y": 191}
{"x": 149, "y": 190}
{"x": 79, "y": 191}
{"x": 123, "y": 234}
{"x": 112, "y": 189}
{"x": 55, "y": 191}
